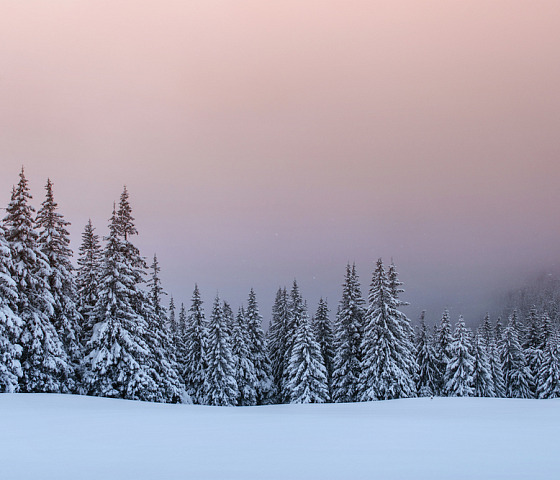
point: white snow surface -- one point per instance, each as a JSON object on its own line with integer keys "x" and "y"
{"x": 47, "y": 436}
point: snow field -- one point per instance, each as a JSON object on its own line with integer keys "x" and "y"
{"x": 47, "y": 436}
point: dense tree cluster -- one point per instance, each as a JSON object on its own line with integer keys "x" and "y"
{"x": 102, "y": 329}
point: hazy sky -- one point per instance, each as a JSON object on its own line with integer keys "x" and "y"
{"x": 262, "y": 141}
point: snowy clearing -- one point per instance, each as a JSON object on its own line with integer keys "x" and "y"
{"x": 46, "y": 436}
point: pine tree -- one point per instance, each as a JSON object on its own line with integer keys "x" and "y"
{"x": 348, "y": 333}
{"x": 256, "y": 343}
{"x": 220, "y": 387}
{"x": 442, "y": 344}
{"x": 10, "y": 324}
{"x": 193, "y": 356}
{"x": 118, "y": 360}
{"x": 483, "y": 381}
{"x": 277, "y": 342}
{"x": 87, "y": 278}
{"x": 54, "y": 242}
{"x": 388, "y": 365}
{"x": 458, "y": 378}
{"x": 307, "y": 374}
{"x": 244, "y": 370}
{"x": 44, "y": 360}
{"x": 517, "y": 376}
{"x": 428, "y": 379}
{"x": 549, "y": 372}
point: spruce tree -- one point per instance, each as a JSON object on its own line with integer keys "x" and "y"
{"x": 324, "y": 335}
{"x": 193, "y": 355}
{"x": 517, "y": 377}
{"x": 488, "y": 339}
{"x": 458, "y": 378}
{"x": 10, "y": 324}
{"x": 87, "y": 278}
{"x": 428, "y": 379}
{"x": 244, "y": 370}
{"x": 118, "y": 360}
{"x": 54, "y": 242}
{"x": 388, "y": 365}
{"x": 256, "y": 343}
{"x": 43, "y": 360}
{"x": 307, "y": 374}
{"x": 172, "y": 320}
{"x": 296, "y": 315}
{"x": 533, "y": 347}
{"x": 348, "y": 333}
{"x": 220, "y": 387}
{"x": 483, "y": 381}
{"x": 549, "y": 372}
{"x": 277, "y": 342}
{"x": 442, "y": 344}
{"x": 164, "y": 369}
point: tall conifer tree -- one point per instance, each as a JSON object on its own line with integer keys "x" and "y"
{"x": 348, "y": 333}
{"x": 44, "y": 360}
{"x": 54, "y": 242}
{"x": 324, "y": 334}
{"x": 458, "y": 378}
{"x": 277, "y": 342}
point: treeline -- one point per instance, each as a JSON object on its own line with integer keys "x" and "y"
{"x": 101, "y": 329}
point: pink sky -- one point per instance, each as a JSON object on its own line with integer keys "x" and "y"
{"x": 263, "y": 141}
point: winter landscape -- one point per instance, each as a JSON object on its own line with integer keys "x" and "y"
{"x": 279, "y": 240}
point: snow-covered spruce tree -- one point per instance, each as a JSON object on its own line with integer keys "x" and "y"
{"x": 442, "y": 345}
{"x": 277, "y": 343}
{"x": 228, "y": 315}
{"x": 220, "y": 387}
{"x": 348, "y": 332}
{"x": 118, "y": 361}
{"x": 244, "y": 370}
{"x": 549, "y": 372}
{"x": 428, "y": 379}
{"x": 483, "y": 381}
{"x": 170, "y": 386}
{"x": 10, "y": 324}
{"x": 388, "y": 365}
{"x": 44, "y": 360}
{"x": 194, "y": 346}
{"x": 458, "y": 378}
{"x": 87, "y": 278}
{"x": 487, "y": 337}
{"x": 533, "y": 347}
{"x": 172, "y": 319}
{"x": 182, "y": 322}
{"x": 54, "y": 241}
{"x": 307, "y": 373}
{"x": 296, "y": 313}
{"x": 256, "y": 343}
{"x": 325, "y": 338}
{"x": 517, "y": 377}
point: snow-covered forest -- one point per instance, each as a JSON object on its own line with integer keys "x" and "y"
{"x": 99, "y": 327}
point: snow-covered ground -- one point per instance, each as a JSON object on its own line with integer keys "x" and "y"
{"x": 60, "y": 437}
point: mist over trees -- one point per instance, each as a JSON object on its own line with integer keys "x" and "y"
{"x": 104, "y": 328}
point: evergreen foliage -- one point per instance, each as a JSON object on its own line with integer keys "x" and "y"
{"x": 10, "y": 324}
{"x": 54, "y": 242}
{"x": 517, "y": 377}
{"x": 193, "y": 354}
{"x": 549, "y": 371}
{"x": 428, "y": 379}
{"x": 256, "y": 343}
{"x": 458, "y": 378}
{"x": 277, "y": 342}
{"x": 388, "y": 365}
{"x": 348, "y": 333}
{"x": 483, "y": 379}
{"x": 244, "y": 370}
{"x": 44, "y": 361}
{"x": 220, "y": 387}
{"x": 307, "y": 374}
{"x": 87, "y": 278}
{"x": 324, "y": 334}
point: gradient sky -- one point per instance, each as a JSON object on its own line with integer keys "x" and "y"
{"x": 262, "y": 141}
